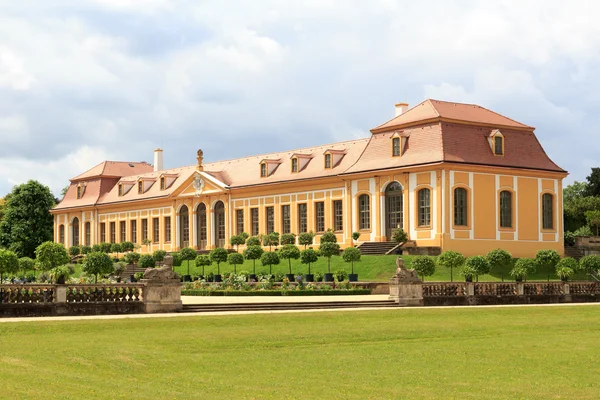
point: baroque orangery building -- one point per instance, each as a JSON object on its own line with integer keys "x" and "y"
{"x": 454, "y": 176}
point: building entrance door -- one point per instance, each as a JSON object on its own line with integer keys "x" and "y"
{"x": 394, "y": 209}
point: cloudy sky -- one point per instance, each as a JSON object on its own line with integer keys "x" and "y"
{"x": 82, "y": 81}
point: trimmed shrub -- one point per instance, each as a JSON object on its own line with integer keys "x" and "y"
{"x": 203, "y": 261}
{"x": 288, "y": 238}
{"x": 547, "y": 259}
{"x": 451, "y": 259}
{"x": 97, "y": 263}
{"x": 146, "y": 261}
{"x": 479, "y": 264}
{"x": 523, "y": 268}
{"x": 218, "y": 256}
{"x": 159, "y": 255}
{"x": 74, "y": 251}
{"x": 306, "y": 239}
{"x": 351, "y": 255}
{"x": 499, "y": 259}
{"x": 235, "y": 259}
{"x": 270, "y": 258}
{"x": 424, "y": 265}
{"x": 590, "y": 263}
{"x": 131, "y": 257}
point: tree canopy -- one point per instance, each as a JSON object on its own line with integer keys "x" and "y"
{"x": 9, "y": 262}
{"x": 97, "y": 263}
{"x": 50, "y": 255}
{"x": 27, "y": 221}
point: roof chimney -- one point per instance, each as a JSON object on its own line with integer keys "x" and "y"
{"x": 158, "y": 160}
{"x": 401, "y": 108}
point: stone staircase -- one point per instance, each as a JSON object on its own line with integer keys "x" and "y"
{"x": 300, "y": 305}
{"x": 377, "y": 248}
{"x": 130, "y": 269}
{"x": 573, "y": 251}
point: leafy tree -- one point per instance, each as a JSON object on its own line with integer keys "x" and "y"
{"x": 9, "y": 262}
{"x": 27, "y": 221}
{"x": 590, "y": 263}
{"x": 218, "y": 255}
{"x": 328, "y": 237}
{"x": 566, "y": 267}
{"x": 116, "y": 248}
{"x": 399, "y": 236}
{"x": 479, "y": 264}
{"x": 289, "y": 252}
{"x": 26, "y": 264}
{"x": 593, "y": 183}
{"x": 499, "y": 259}
{"x": 131, "y": 257}
{"x": 203, "y": 261}
{"x": 574, "y": 190}
{"x": 105, "y": 247}
{"x": 235, "y": 259}
{"x": 547, "y": 259}
{"x": 253, "y": 241}
{"x": 176, "y": 259}
{"x": 159, "y": 255}
{"x": 96, "y": 248}
{"x": 593, "y": 218}
{"x": 451, "y": 259}
{"x": 351, "y": 255}
{"x": 237, "y": 241}
{"x": 244, "y": 235}
{"x": 97, "y": 263}
{"x": 327, "y": 250}
{"x": 523, "y": 268}
{"x": 253, "y": 252}
{"x": 272, "y": 239}
{"x": 187, "y": 254}
{"x": 146, "y": 261}
{"x": 575, "y": 206}
{"x": 50, "y": 255}
{"x": 86, "y": 250}
{"x": 270, "y": 258}
{"x": 308, "y": 256}
{"x": 424, "y": 265}
{"x": 127, "y": 246}
{"x": 306, "y": 239}
{"x": 288, "y": 238}
{"x": 355, "y": 236}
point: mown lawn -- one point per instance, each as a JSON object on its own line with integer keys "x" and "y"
{"x": 459, "y": 353}
{"x": 370, "y": 268}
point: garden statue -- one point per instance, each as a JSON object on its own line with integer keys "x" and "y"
{"x": 200, "y": 157}
{"x": 404, "y": 274}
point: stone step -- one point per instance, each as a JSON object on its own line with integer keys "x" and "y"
{"x": 286, "y": 306}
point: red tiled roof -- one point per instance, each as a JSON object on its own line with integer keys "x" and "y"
{"x": 430, "y": 110}
{"x": 115, "y": 169}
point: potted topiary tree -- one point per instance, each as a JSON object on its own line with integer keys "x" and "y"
{"x": 50, "y": 255}
{"x": 237, "y": 241}
{"x": 306, "y": 239}
{"x": 26, "y": 264}
{"x": 468, "y": 272}
{"x": 270, "y": 258}
{"x": 499, "y": 259}
{"x": 86, "y": 250}
{"x": 399, "y": 236}
{"x": 218, "y": 255}
{"x": 203, "y": 261}
{"x": 74, "y": 251}
{"x": 253, "y": 252}
{"x": 547, "y": 259}
{"x": 116, "y": 248}
{"x": 187, "y": 254}
{"x": 289, "y": 252}
{"x": 235, "y": 259}
{"x": 308, "y": 256}
{"x": 351, "y": 255}
{"x": 451, "y": 259}
{"x": 127, "y": 246}
{"x": 105, "y": 247}
{"x": 272, "y": 239}
{"x": 479, "y": 264}
{"x": 9, "y": 263}
{"x": 355, "y": 236}
{"x": 328, "y": 248}
{"x": 566, "y": 267}
{"x": 424, "y": 265}
{"x": 288, "y": 238}
{"x": 97, "y": 263}
{"x": 146, "y": 261}
{"x": 159, "y": 256}
{"x": 523, "y": 268}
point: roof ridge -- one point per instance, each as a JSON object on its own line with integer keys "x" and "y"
{"x": 430, "y": 101}
{"x": 404, "y": 113}
{"x": 478, "y": 106}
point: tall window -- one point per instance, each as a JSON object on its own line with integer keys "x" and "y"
{"x": 113, "y": 232}
{"x": 134, "y": 231}
{"x": 162, "y": 183}
{"x": 294, "y": 164}
{"x": 364, "y": 212}
{"x": 103, "y": 232}
{"x": 263, "y": 170}
{"x": 338, "y": 216}
{"x": 239, "y": 217}
{"x": 460, "y": 207}
{"x": 201, "y": 235}
{"x": 88, "y": 233}
{"x": 327, "y": 160}
{"x": 155, "y": 230}
{"x": 302, "y": 218}
{"x": 61, "y": 234}
{"x": 140, "y": 187}
{"x": 76, "y": 232}
{"x": 547, "y": 213}
{"x": 254, "y": 222}
{"x": 219, "y": 213}
{"x": 270, "y": 219}
{"x": 123, "y": 231}
{"x": 144, "y": 229}
{"x": 424, "y": 218}
{"x": 167, "y": 229}
{"x": 320, "y": 216}
{"x": 498, "y": 145}
{"x": 184, "y": 226}
{"x": 120, "y": 190}
{"x": 396, "y": 146}
{"x": 505, "y": 209}
{"x": 285, "y": 219}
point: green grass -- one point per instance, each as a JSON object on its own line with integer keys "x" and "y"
{"x": 370, "y": 268}
{"x": 460, "y": 353}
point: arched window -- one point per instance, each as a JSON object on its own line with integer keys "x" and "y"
{"x": 547, "y": 212}
{"x": 424, "y": 210}
{"x": 88, "y": 233}
{"x": 460, "y": 207}
{"x": 184, "y": 227}
{"x": 201, "y": 226}
{"x": 364, "y": 212}
{"x": 61, "y": 234}
{"x": 75, "y": 238}
{"x": 505, "y": 209}
{"x": 220, "y": 224}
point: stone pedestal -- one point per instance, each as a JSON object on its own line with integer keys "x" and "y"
{"x": 406, "y": 288}
{"x": 161, "y": 296}
{"x": 61, "y": 293}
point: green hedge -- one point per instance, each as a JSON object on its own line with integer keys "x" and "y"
{"x": 200, "y": 292}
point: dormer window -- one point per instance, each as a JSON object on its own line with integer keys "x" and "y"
{"x": 327, "y": 160}
{"x": 80, "y": 191}
{"x": 496, "y": 140}
{"x": 396, "y": 146}
{"x": 263, "y": 170}
{"x": 162, "y": 183}
{"x": 120, "y": 189}
{"x": 141, "y": 187}
{"x": 295, "y": 164}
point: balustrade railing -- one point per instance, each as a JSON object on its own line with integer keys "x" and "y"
{"x": 444, "y": 289}
{"x": 104, "y": 293}
{"x": 495, "y": 289}
{"x": 585, "y": 287}
{"x": 23, "y": 294}
{"x": 547, "y": 288}
{"x": 454, "y": 289}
